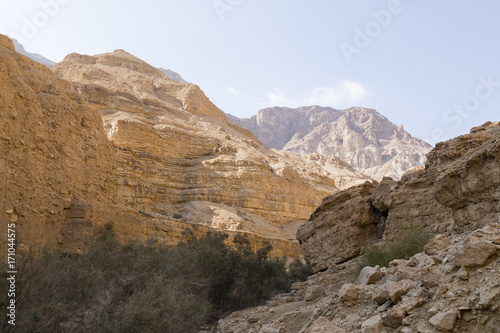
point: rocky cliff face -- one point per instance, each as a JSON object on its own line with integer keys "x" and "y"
{"x": 180, "y": 156}
{"x": 457, "y": 191}
{"x": 111, "y": 139}
{"x": 362, "y": 137}
{"x": 54, "y": 154}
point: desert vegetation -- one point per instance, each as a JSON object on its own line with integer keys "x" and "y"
{"x": 143, "y": 286}
{"x": 407, "y": 244}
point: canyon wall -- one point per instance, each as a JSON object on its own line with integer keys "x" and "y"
{"x": 109, "y": 138}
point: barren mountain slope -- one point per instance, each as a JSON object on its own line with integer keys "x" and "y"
{"x": 362, "y": 137}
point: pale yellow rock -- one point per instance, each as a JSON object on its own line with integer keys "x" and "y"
{"x": 474, "y": 254}
{"x": 369, "y": 275}
{"x": 440, "y": 242}
{"x": 313, "y": 292}
{"x": 398, "y": 289}
{"x": 444, "y": 321}
{"x": 348, "y": 292}
{"x": 339, "y": 228}
{"x": 323, "y": 325}
{"x": 372, "y": 325}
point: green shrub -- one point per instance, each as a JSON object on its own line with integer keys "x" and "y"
{"x": 142, "y": 287}
{"x": 409, "y": 243}
{"x": 298, "y": 271}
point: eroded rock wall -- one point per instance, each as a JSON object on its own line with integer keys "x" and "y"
{"x": 109, "y": 138}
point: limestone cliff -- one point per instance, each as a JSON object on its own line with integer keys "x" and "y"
{"x": 362, "y": 137}
{"x": 179, "y": 156}
{"x": 111, "y": 139}
{"x": 53, "y": 154}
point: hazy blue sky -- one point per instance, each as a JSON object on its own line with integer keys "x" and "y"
{"x": 432, "y": 66}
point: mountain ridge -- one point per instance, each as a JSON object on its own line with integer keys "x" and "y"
{"x": 362, "y": 137}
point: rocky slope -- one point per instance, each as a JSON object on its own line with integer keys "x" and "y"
{"x": 453, "y": 286}
{"x": 166, "y": 158}
{"x": 362, "y": 137}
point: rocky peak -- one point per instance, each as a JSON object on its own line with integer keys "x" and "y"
{"x": 135, "y": 82}
{"x": 362, "y": 137}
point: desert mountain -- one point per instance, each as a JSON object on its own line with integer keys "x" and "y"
{"x": 452, "y": 286}
{"x": 173, "y": 75}
{"x": 362, "y": 137}
{"x": 34, "y": 56}
{"x": 109, "y": 138}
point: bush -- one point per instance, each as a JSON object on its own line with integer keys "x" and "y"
{"x": 142, "y": 287}
{"x": 298, "y": 271}
{"x": 409, "y": 243}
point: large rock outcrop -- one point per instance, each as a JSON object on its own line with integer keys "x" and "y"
{"x": 457, "y": 191}
{"x": 362, "y": 137}
{"x": 343, "y": 224}
{"x": 453, "y": 286}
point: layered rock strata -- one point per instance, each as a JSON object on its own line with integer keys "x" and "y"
{"x": 111, "y": 139}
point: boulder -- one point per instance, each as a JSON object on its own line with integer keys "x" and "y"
{"x": 372, "y": 325}
{"x": 313, "y": 292}
{"x": 369, "y": 275}
{"x": 474, "y": 254}
{"x": 348, "y": 292}
{"x": 323, "y": 325}
{"x": 444, "y": 321}
{"x": 340, "y": 227}
{"x": 398, "y": 289}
